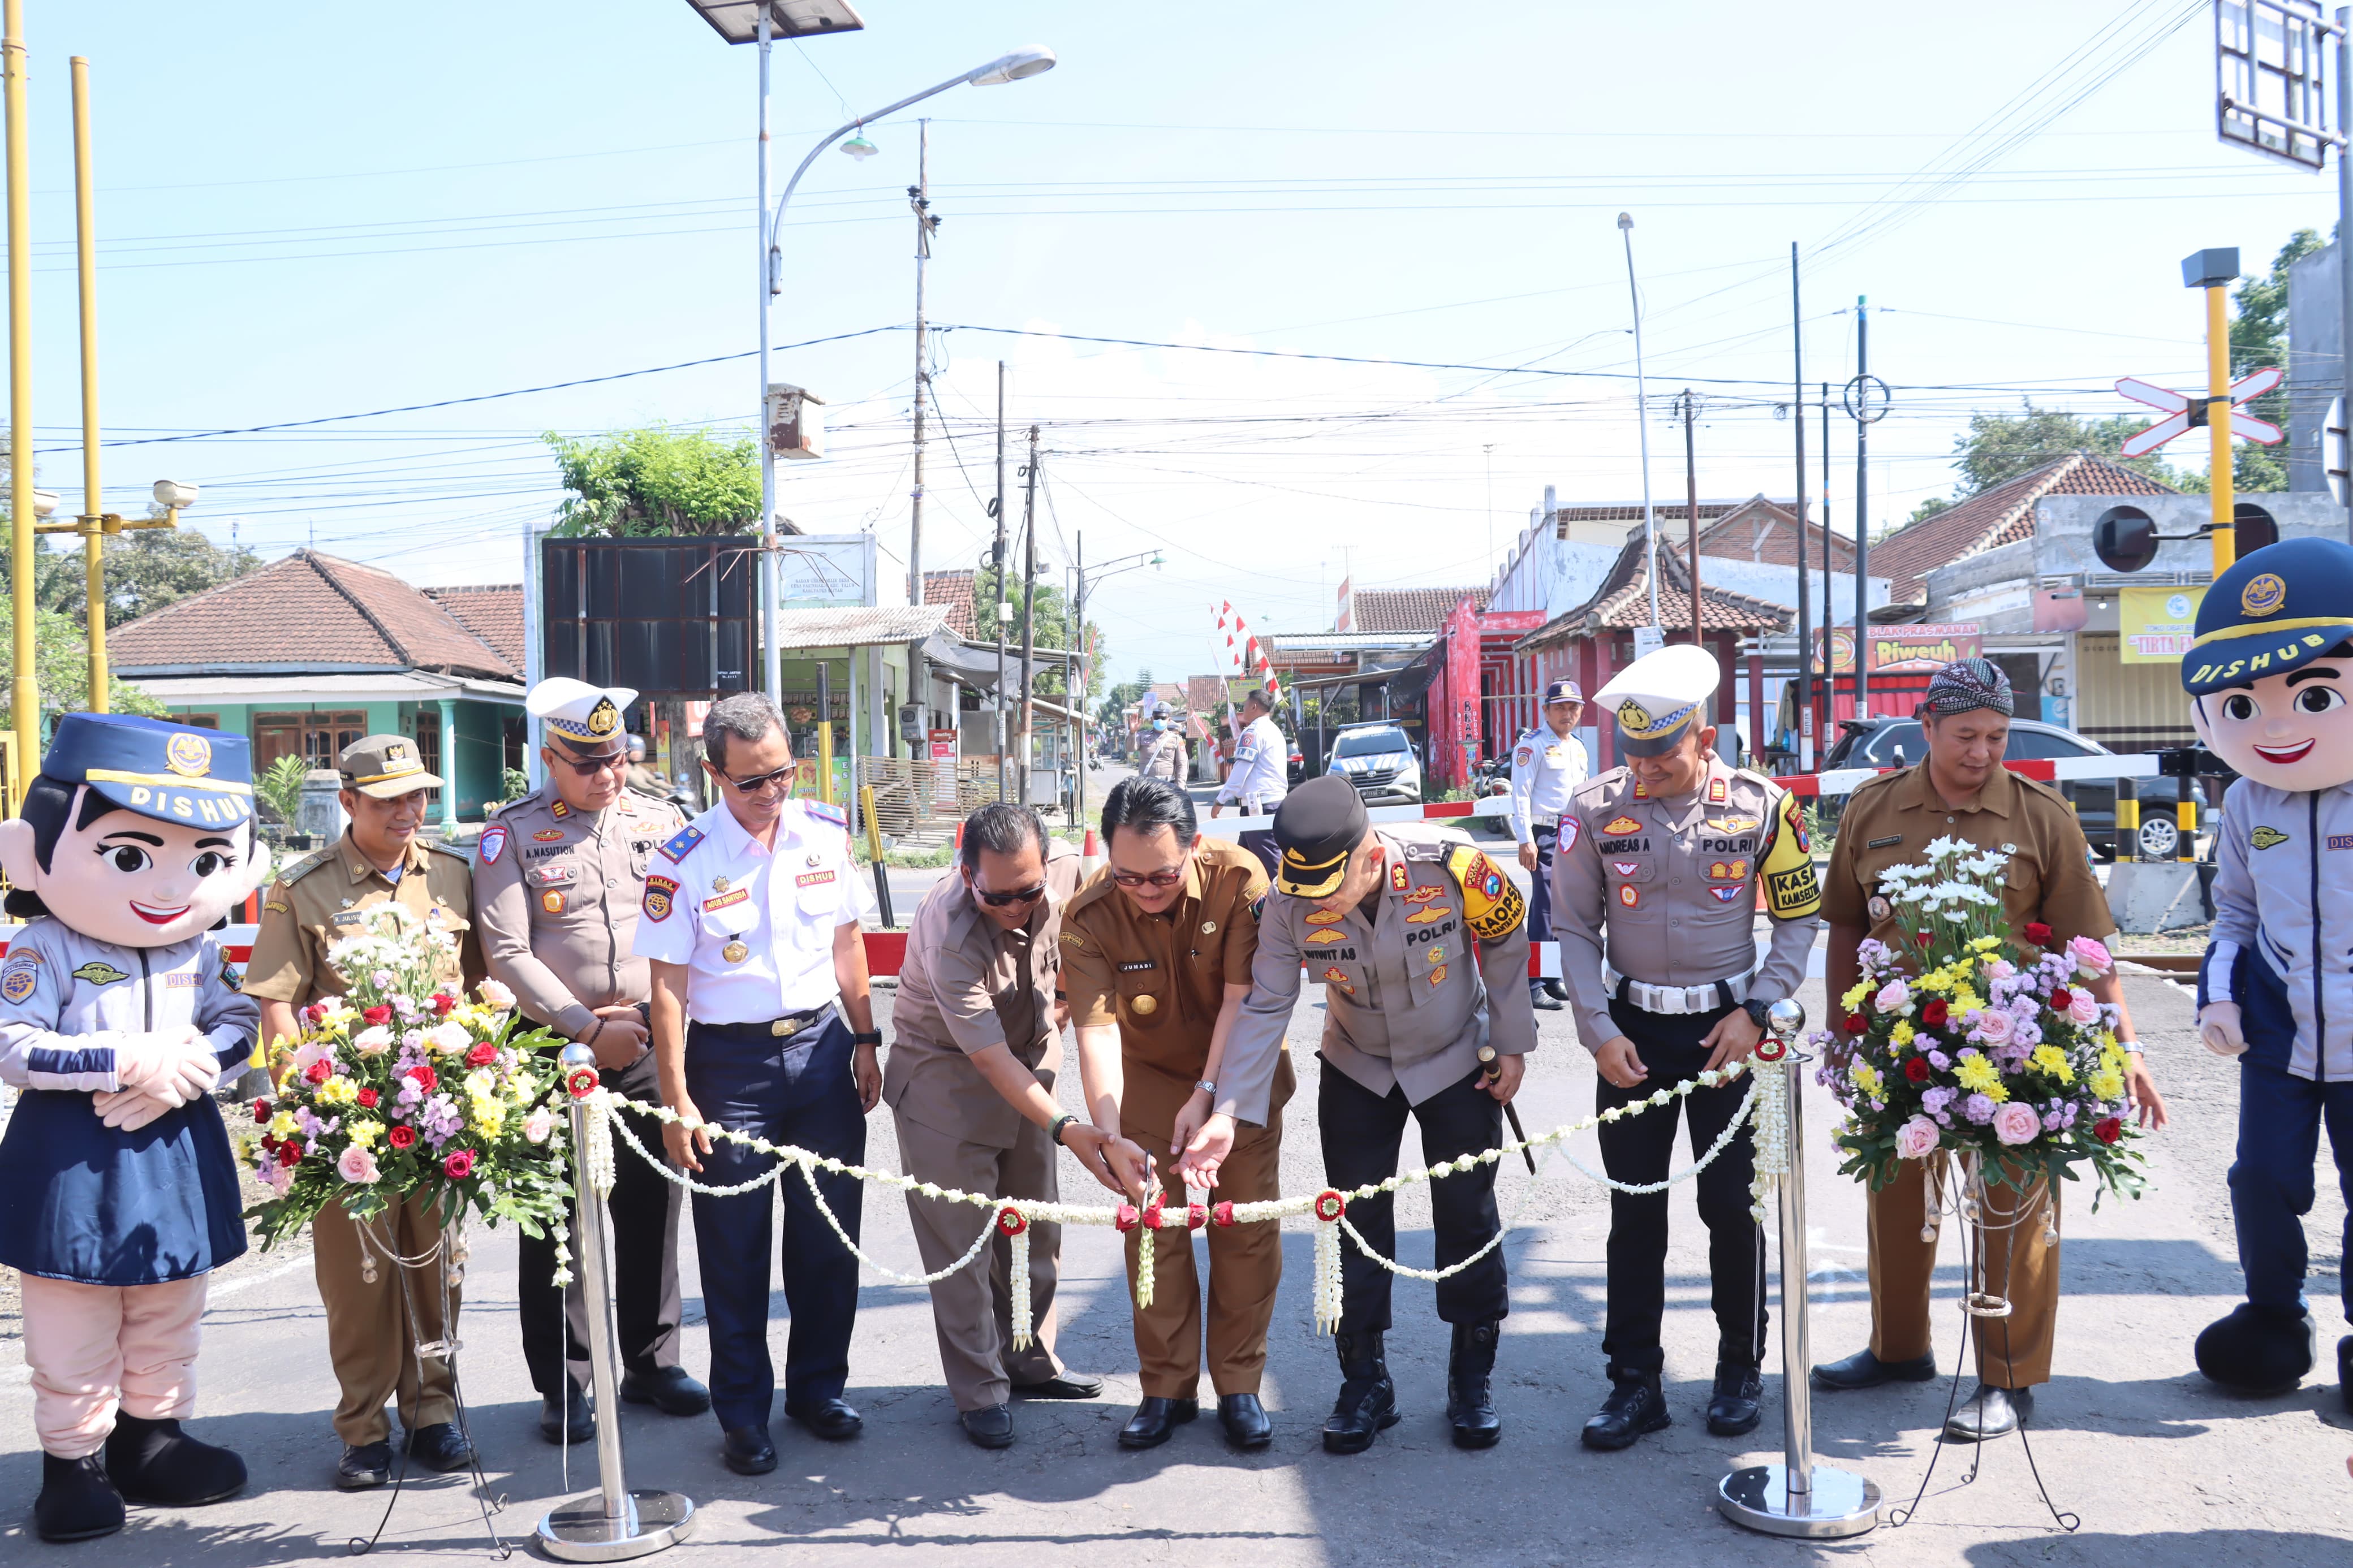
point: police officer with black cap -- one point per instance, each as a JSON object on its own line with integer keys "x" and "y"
{"x": 1421, "y": 945}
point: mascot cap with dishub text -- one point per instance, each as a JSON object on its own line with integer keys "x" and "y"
{"x": 174, "y": 773}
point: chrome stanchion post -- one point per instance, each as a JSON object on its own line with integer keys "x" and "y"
{"x": 616, "y": 1523}
{"x": 1797, "y": 1497}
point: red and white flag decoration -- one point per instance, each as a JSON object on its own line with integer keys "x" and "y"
{"x": 1250, "y": 659}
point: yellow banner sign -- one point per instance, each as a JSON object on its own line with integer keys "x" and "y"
{"x": 2154, "y": 624}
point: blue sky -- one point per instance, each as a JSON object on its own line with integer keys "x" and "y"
{"x": 299, "y": 219}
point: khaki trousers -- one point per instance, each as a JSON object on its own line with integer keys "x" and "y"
{"x": 2012, "y": 1351}
{"x": 971, "y": 1309}
{"x": 93, "y": 1347}
{"x": 1245, "y": 1260}
{"x": 370, "y": 1338}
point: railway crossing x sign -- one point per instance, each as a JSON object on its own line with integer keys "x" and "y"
{"x": 2185, "y": 413}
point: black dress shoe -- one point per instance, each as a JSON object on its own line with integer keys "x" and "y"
{"x": 1368, "y": 1401}
{"x": 78, "y": 1502}
{"x": 2345, "y": 1371}
{"x": 155, "y": 1463}
{"x": 368, "y": 1465}
{"x": 1541, "y": 998}
{"x": 831, "y": 1419}
{"x": 990, "y": 1426}
{"x": 566, "y": 1421}
{"x": 1154, "y": 1419}
{"x": 1733, "y": 1408}
{"x": 1864, "y": 1370}
{"x": 748, "y": 1451}
{"x": 1990, "y": 1412}
{"x": 1068, "y": 1385}
{"x": 439, "y": 1446}
{"x": 1558, "y": 989}
{"x": 1634, "y": 1406}
{"x": 668, "y": 1389}
{"x": 1470, "y": 1369}
{"x": 1244, "y": 1419}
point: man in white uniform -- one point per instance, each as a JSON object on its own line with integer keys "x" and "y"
{"x": 751, "y": 919}
{"x": 1546, "y": 763}
{"x": 1260, "y": 777}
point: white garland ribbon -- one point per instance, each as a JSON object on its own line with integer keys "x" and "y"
{"x": 606, "y": 1106}
{"x": 1769, "y": 1105}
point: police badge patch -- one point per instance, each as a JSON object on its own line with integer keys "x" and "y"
{"x": 659, "y": 892}
{"x": 493, "y": 844}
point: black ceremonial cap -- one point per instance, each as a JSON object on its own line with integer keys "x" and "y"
{"x": 1316, "y": 827}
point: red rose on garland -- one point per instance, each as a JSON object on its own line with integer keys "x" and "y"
{"x": 425, "y": 1078}
{"x": 1917, "y": 1070}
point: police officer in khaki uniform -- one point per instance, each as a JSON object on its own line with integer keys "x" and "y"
{"x": 1157, "y": 957}
{"x": 371, "y": 1337}
{"x": 1422, "y": 949}
{"x": 1666, "y": 855}
{"x": 975, "y": 1046}
{"x": 558, "y": 877}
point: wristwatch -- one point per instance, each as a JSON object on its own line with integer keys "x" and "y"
{"x": 1206, "y": 1087}
{"x": 1759, "y": 1013}
{"x": 1061, "y": 1122}
{"x": 869, "y": 1037}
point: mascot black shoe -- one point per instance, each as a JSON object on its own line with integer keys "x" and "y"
{"x": 2259, "y": 1350}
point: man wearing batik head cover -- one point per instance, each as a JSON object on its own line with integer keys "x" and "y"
{"x": 2271, "y": 681}
{"x": 1960, "y": 790}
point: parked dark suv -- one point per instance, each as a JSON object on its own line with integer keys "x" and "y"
{"x": 1894, "y": 743}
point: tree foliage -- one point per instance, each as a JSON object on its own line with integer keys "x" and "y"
{"x": 2259, "y": 337}
{"x": 1053, "y": 631}
{"x": 658, "y": 481}
{"x": 2001, "y": 446}
{"x": 61, "y": 665}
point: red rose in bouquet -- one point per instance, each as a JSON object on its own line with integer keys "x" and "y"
{"x": 1917, "y": 1070}
{"x": 459, "y": 1165}
{"x": 2060, "y": 997}
{"x": 370, "y": 1100}
{"x": 1857, "y": 1024}
{"x": 425, "y": 1079}
{"x": 2037, "y": 932}
{"x": 317, "y": 1072}
{"x": 443, "y": 1004}
{"x": 2108, "y": 1128}
{"x": 379, "y": 1013}
{"x": 402, "y": 1136}
{"x": 1935, "y": 1012}
{"x": 483, "y": 1054}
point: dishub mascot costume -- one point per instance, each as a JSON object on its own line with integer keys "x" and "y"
{"x": 118, "y": 1188}
{"x": 2271, "y": 680}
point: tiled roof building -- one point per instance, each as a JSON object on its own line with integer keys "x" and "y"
{"x": 2001, "y": 514}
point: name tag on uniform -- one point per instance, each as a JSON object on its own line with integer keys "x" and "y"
{"x": 807, "y": 879}
{"x": 348, "y": 918}
{"x": 723, "y": 899}
{"x": 1892, "y": 838}
{"x": 1137, "y": 968}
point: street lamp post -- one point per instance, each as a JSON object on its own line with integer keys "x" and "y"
{"x": 1086, "y": 577}
{"x": 1641, "y": 423}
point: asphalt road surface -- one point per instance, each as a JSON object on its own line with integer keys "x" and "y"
{"x": 2164, "y": 1470}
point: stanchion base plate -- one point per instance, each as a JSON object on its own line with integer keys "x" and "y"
{"x": 581, "y": 1533}
{"x": 1840, "y": 1504}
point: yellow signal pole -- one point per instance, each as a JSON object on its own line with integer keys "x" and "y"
{"x": 25, "y": 690}
{"x": 91, "y": 524}
{"x": 2225, "y": 536}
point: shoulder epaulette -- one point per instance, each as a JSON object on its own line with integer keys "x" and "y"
{"x": 443, "y": 846}
{"x": 683, "y": 844}
{"x": 824, "y": 813}
{"x": 301, "y": 869}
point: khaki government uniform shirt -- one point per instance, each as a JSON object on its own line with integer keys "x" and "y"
{"x": 1162, "y": 978}
{"x": 1409, "y": 1002}
{"x": 1674, "y": 882}
{"x": 557, "y": 894}
{"x": 1890, "y": 820}
{"x": 318, "y": 901}
{"x": 966, "y": 984}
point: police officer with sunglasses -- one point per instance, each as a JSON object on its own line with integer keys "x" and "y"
{"x": 751, "y": 921}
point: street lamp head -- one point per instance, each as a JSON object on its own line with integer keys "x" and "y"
{"x": 44, "y": 502}
{"x": 2210, "y": 268}
{"x": 860, "y": 148}
{"x": 1032, "y": 61}
{"x": 175, "y": 493}
{"x": 1625, "y": 220}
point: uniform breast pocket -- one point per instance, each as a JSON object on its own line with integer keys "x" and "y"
{"x": 730, "y": 914}
{"x": 1633, "y": 887}
{"x": 1146, "y": 998}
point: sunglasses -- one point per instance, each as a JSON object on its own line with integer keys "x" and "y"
{"x": 1169, "y": 878}
{"x": 776, "y": 780}
{"x": 1005, "y": 901}
{"x": 589, "y": 767}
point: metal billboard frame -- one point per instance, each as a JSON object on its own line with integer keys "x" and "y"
{"x": 2273, "y": 87}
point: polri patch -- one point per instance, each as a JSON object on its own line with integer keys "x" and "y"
{"x": 659, "y": 890}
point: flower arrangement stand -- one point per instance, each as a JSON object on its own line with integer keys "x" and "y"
{"x": 1797, "y": 1497}
{"x": 613, "y": 1523}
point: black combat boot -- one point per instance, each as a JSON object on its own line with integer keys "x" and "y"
{"x": 1368, "y": 1401}
{"x": 1469, "y": 1406}
{"x": 1634, "y": 1406}
{"x": 1735, "y": 1405}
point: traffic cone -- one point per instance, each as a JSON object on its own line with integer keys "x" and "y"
{"x": 1090, "y": 859}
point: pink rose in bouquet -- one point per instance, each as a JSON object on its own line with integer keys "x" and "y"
{"x": 1916, "y": 1139}
{"x": 357, "y": 1167}
{"x": 2091, "y": 957}
{"x": 2081, "y": 1009}
{"x": 1892, "y": 996}
{"x": 2015, "y": 1123}
{"x": 1994, "y": 1028}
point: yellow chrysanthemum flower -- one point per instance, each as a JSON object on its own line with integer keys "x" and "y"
{"x": 1977, "y": 1075}
{"x": 365, "y": 1134}
{"x": 282, "y": 1125}
{"x": 1985, "y": 944}
{"x": 338, "y": 1090}
{"x": 1867, "y": 1079}
{"x": 2108, "y": 1084}
{"x": 1902, "y": 1033}
{"x": 1856, "y": 994}
{"x": 2050, "y": 1060}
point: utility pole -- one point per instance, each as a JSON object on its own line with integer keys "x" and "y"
{"x": 1830, "y": 671}
{"x": 919, "y": 199}
{"x": 1004, "y": 600}
{"x": 1805, "y": 615}
{"x": 25, "y": 690}
{"x": 1029, "y": 605}
{"x": 93, "y": 519}
{"x": 1691, "y": 504}
{"x": 1076, "y": 683}
{"x": 1862, "y": 512}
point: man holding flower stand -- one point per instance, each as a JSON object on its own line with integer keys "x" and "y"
{"x": 1960, "y": 794}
